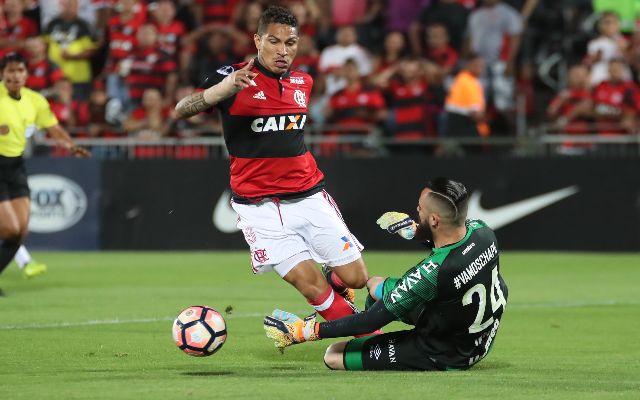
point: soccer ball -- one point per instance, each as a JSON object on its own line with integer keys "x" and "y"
{"x": 199, "y": 331}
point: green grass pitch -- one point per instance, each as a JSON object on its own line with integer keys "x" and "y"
{"x": 97, "y": 325}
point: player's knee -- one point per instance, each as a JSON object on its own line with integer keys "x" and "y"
{"x": 12, "y": 233}
{"x": 354, "y": 275}
{"x": 333, "y": 357}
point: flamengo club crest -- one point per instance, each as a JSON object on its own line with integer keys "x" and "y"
{"x": 300, "y": 98}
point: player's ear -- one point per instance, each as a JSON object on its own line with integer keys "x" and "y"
{"x": 256, "y": 40}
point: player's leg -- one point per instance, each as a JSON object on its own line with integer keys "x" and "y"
{"x": 395, "y": 351}
{"x": 307, "y": 279}
{"x": 276, "y": 247}
{"x": 334, "y": 356}
{"x": 331, "y": 240}
{"x": 10, "y": 233}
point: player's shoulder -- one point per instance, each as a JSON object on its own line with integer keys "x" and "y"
{"x": 32, "y": 95}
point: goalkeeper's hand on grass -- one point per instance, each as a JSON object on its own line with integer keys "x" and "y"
{"x": 287, "y": 329}
{"x": 400, "y": 223}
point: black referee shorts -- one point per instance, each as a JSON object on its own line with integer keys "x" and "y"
{"x": 13, "y": 178}
{"x": 394, "y": 351}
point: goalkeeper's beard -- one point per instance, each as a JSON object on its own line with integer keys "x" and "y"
{"x": 424, "y": 232}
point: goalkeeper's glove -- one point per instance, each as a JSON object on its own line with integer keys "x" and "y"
{"x": 287, "y": 329}
{"x": 400, "y": 223}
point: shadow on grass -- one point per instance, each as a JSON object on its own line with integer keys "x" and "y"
{"x": 207, "y": 373}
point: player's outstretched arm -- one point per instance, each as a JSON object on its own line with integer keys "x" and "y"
{"x": 287, "y": 329}
{"x": 60, "y": 135}
{"x": 200, "y": 101}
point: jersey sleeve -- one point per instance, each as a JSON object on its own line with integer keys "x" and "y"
{"x": 213, "y": 79}
{"x": 44, "y": 116}
{"x": 417, "y": 286}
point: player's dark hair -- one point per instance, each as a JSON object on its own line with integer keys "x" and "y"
{"x": 451, "y": 195}
{"x": 276, "y": 15}
{"x": 12, "y": 57}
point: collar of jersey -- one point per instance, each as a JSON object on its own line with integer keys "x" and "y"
{"x": 452, "y": 246}
{"x": 268, "y": 73}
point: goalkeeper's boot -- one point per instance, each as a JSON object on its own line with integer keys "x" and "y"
{"x": 348, "y": 293}
{"x": 33, "y": 269}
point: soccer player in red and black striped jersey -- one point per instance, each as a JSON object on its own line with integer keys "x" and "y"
{"x": 289, "y": 221}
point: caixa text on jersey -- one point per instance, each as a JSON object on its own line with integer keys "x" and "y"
{"x": 278, "y": 123}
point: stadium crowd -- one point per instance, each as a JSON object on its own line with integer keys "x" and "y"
{"x": 411, "y": 69}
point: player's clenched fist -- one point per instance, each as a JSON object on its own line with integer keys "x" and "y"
{"x": 286, "y": 328}
{"x": 400, "y": 223}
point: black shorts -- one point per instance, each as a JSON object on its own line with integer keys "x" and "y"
{"x": 394, "y": 351}
{"x": 13, "y": 178}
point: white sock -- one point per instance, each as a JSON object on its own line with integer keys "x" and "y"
{"x": 22, "y": 257}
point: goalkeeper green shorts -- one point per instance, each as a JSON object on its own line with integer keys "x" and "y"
{"x": 395, "y": 351}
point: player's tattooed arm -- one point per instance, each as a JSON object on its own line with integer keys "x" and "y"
{"x": 192, "y": 105}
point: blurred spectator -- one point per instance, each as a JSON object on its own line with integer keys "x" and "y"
{"x": 394, "y": 48}
{"x": 246, "y": 26}
{"x": 215, "y": 53}
{"x": 148, "y": 67}
{"x": 42, "y": 72}
{"x": 494, "y": 34}
{"x": 406, "y": 94}
{"x": 213, "y": 11}
{"x": 450, "y": 13}
{"x": 348, "y": 12}
{"x": 465, "y": 105}
{"x": 438, "y": 49}
{"x": 170, "y": 34}
{"x": 123, "y": 28}
{"x": 627, "y": 11}
{"x": 570, "y": 111}
{"x": 634, "y": 54}
{"x": 401, "y": 13}
{"x": 307, "y": 57}
{"x": 150, "y": 121}
{"x": 87, "y": 10}
{"x": 615, "y": 102}
{"x": 567, "y": 109}
{"x": 15, "y": 28}
{"x": 355, "y": 109}
{"x": 105, "y": 114}
{"x": 333, "y": 58}
{"x": 307, "y": 13}
{"x": 71, "y": 47}
{"x": 72, "y": 114}
{"x": 608, "y": 45}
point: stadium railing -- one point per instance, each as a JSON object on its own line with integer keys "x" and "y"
{"x": 543, "y": 140}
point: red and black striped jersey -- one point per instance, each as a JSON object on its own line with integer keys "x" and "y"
{"x": 264, "y": 132}
{"x": 355, "y": 106}
{"x": 122, "y": 39}
{"x": 22, "y": 29}
{"x": 149, "y": 69}
{"x": 612, "y": 99}
{"x": 169, "y": 36}
{"x": 42, "y": 75}
{"x": 408, "y": 103}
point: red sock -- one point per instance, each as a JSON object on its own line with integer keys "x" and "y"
{"x": 331, "y": 306}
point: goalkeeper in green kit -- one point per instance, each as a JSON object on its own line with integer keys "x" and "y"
{"x": 454, "y": 298}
